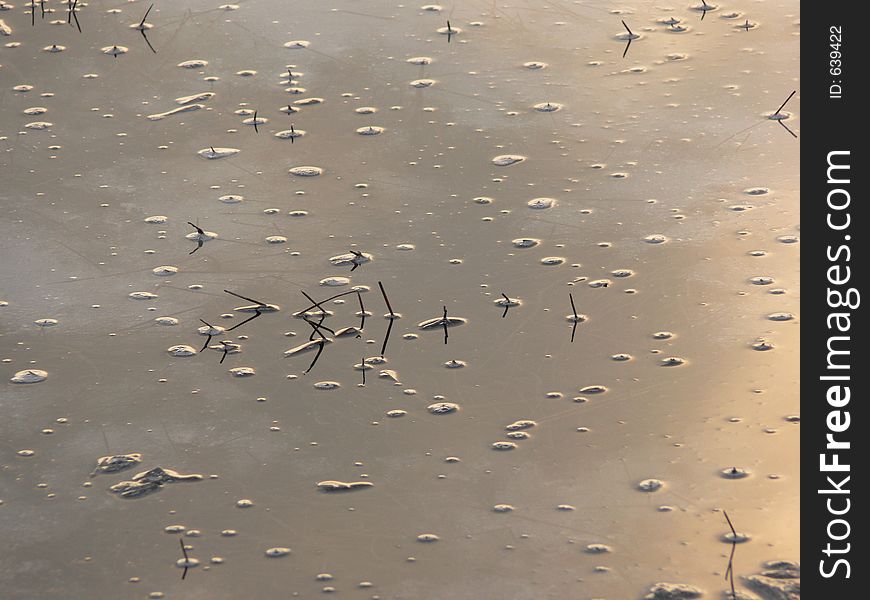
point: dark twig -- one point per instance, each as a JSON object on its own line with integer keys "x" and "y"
{"x": 319, "y": 325}
{"x": 257, "y": 302}
{"x": 784, "y": 103}
{"x": 227, "y": 346}
{"x": 506, "y": 306}
{"x": 256, "y": 130}
{"x": 256, "y": 314}
{"x": 362, "y": 313}
{"x": 444, "y": 321}
{"x": 449, "y": 31}
{"x": 210, "y": 335}
{"x": 326, "y": 300}
{"x": 729, "y": 572}
{"x": 199, "y": 240}
{"x": 145, "y": 37}
{"x": 75, "y": 16}
{"x": 355, "y": 264}
{"x": 186, "y": 559}
{"x": 576, "y": 317}
{"x": 392, "y": 318}
{"x": 321, "y": 342}
{"x": 631, "y": 37}
{"x": 387, "y": 300}
{"x": 787, "y": 128}
{"x": 142, "y": 22}
{"x": 257, "y": 309}
{"x": 363, "y": 364}
{"x": 387, "y": 337}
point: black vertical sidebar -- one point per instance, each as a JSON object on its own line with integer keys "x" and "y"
{"x": 834, "y": 267}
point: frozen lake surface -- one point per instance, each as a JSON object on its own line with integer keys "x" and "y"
{"x": 561, "y": 258}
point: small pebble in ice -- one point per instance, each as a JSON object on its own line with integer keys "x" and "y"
{"x": 175, "y": 111}
{"x": 114, "y": 50}
{"x": 452, "y": 30}
{"x": 201, "y": 97}
{"x": 142, "y": 295}
{"x": 193, "y": 64}
{"x": 505, "y": 160}
{"x": 503, "y": 445}
{"x": 525, "y": 242}
{"x": 673, "y": 591}
{"x": 305, "y": 171}
{"x": 547, "y": 107}
{"x": 422, "y": 83}
{"x": 181, "y": 350}
{"x": 242, "y": 371}
{"x": 334, "y": 281}
{"x": 655, "y": 238}
{"x": 290, "y": 134}
{"x": 115, "y": 463}
{"x": 734, "y": 473}
{"x": 217, "y": 152}
{"x": 673, "y": 361}
{"x": 370, "y": 130}
{"x": 650, "y": 485}
{"x": 541, "y": 203}
{"x": 442, "y": 408}
{"x": 762, "y": 345}
{"x": 780, "y": 316}
{"x": 343, "y": 486}
{"x": 277, "y": 552}
{"x": 520, "y": 425}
